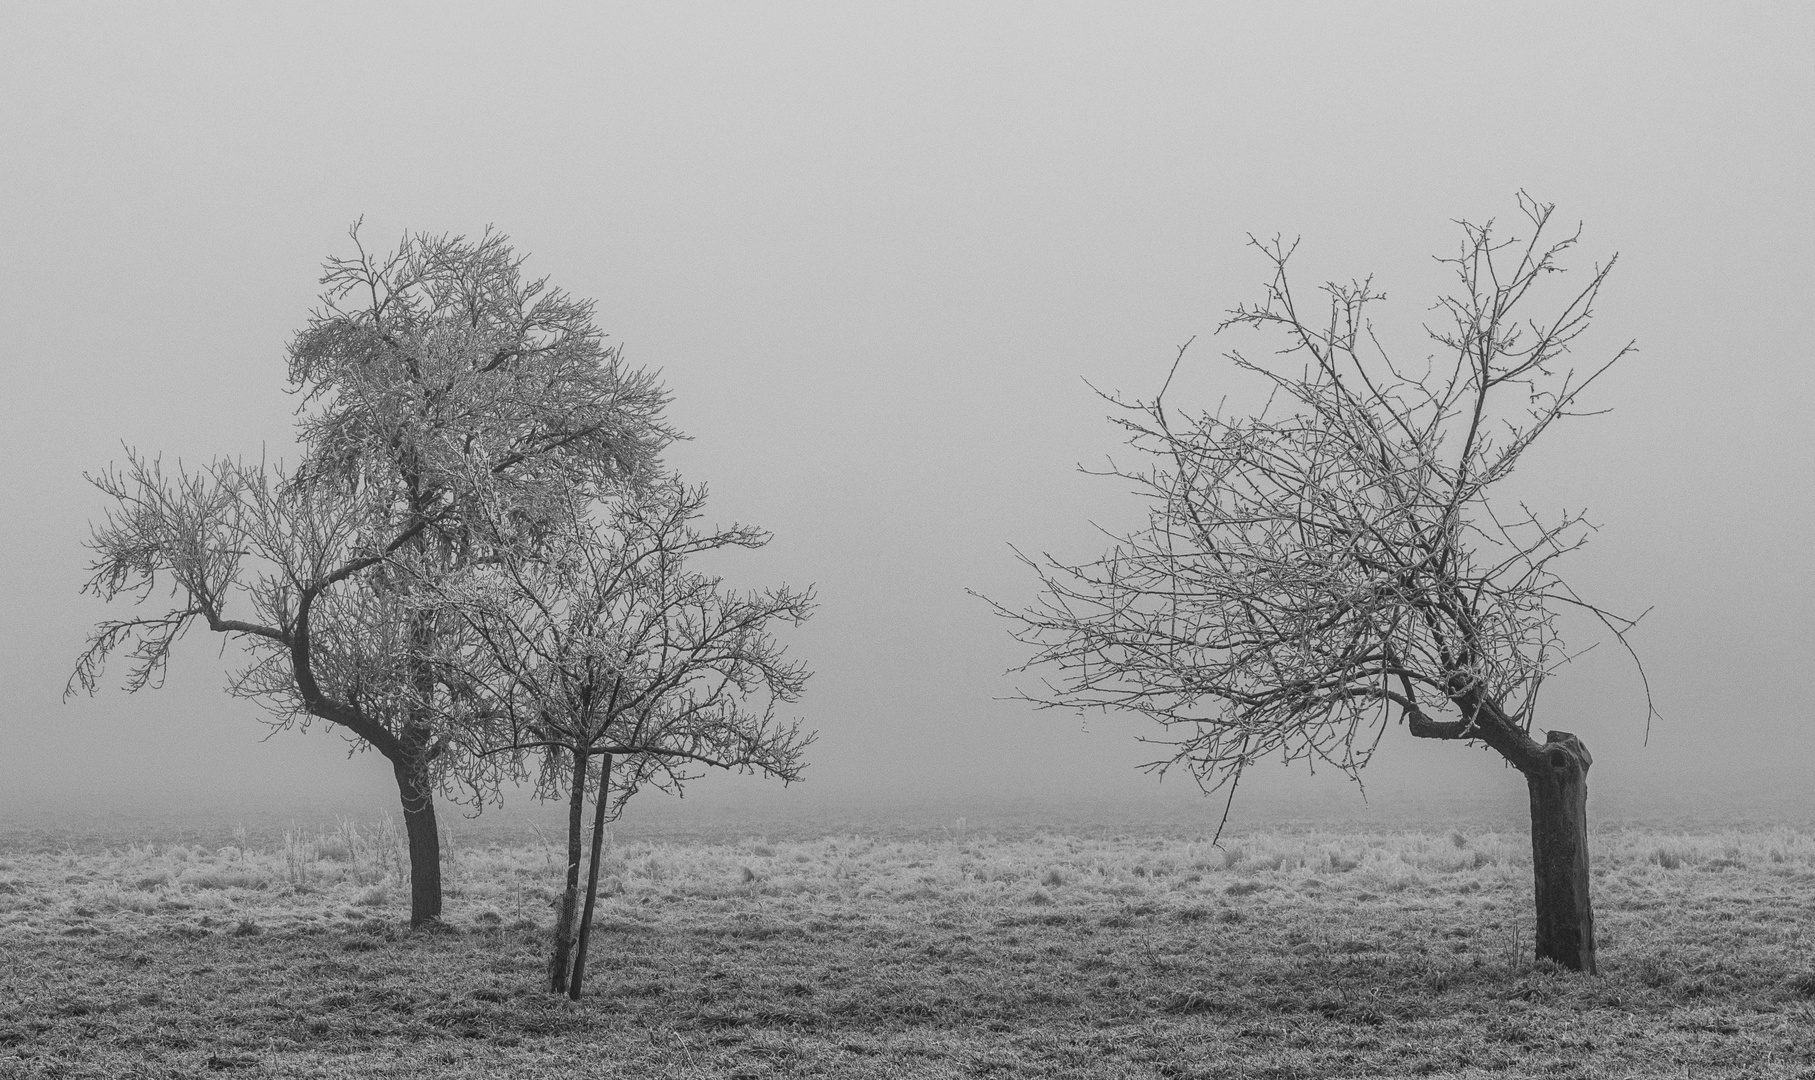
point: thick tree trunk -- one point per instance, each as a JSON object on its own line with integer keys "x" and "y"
{"x": 576, "y": 817}
{"x": 425, "y": 843}
{"x": 1559, "y": 852}
{"x": 592, "y": 878}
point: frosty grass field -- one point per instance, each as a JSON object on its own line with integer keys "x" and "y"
{"x": 956, "y": 952}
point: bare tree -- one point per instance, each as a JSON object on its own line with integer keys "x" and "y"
{"x": 602, "y": 656}
{"x": 444, "y": 398}
{"x": 1311, "y": 572}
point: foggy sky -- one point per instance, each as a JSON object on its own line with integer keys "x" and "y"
{"x": 876, "y": 253}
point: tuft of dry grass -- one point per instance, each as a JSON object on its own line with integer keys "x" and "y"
{"x": 1306, "y": 954}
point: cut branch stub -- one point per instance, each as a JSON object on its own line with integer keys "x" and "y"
{"x": 1565, "y": 751}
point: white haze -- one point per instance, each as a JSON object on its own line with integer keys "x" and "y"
{"x": 877, "y": 253}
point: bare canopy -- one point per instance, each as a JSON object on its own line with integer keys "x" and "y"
{"x": 1308, "y": 573}
{"x": 602, "y": 655}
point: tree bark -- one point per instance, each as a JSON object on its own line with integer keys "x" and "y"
{"x": 576, "y": 816}
{"x": 425, "y": 842}
{"x": 1559, "y": 852}
{"x": 592, "y": 879}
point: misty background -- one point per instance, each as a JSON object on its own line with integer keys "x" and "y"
{"x": 877, "y": 254}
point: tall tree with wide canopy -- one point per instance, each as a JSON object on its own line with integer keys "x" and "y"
{"x": 605, "y": 657}
{"x": 446, "y": 403}
{"x": 1309, "y": 573}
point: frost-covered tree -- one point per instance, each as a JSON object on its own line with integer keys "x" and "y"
{"x": 448, "y": 406}
{"x": 602, "y": 657}
{"x": 1310, "y": 573}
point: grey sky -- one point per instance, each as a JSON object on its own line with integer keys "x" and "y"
{"x": 876, "y": 253}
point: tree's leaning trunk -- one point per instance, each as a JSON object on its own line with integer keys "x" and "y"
{"x": 1559, "y": 852}
{"x": 576, "y": 816}
{"x": 425, "y": 842}
{"x": 592, "y": 878}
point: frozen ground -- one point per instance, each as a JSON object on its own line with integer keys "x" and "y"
{"x": 954, "y": 951}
